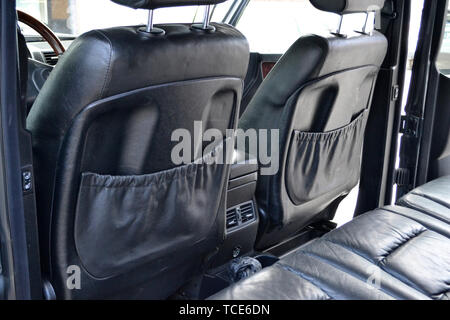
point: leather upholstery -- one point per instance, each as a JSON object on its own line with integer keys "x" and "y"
{"x": 431, "y": 198}
{"x": 348, "y": 6}
{"x": 316, "y": 92}
{"x": 108, "y": 109}
{"x": 154, "y": 4}
{"x": 389, "y": 253}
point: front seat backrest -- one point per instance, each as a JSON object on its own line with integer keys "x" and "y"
{"x": 111, "y": 202}
{"x": 318, "y": 96}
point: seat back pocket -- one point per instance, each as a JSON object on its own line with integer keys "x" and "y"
{"x": 325, "y": 163}
{"x": 126, "y": 221}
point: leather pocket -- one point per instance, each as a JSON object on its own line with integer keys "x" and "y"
{"x": 125, "y": 221}
{"x": 327, "y": 163}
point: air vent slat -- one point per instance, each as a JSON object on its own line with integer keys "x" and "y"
{"x": 50, "y": 58}
{"x": 240, "y": 215}
{"x": 232, "y": 219}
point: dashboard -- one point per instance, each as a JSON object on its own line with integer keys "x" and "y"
{"x": 42, "y": 52}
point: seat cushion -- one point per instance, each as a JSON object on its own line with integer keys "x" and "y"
{"x": 389, "y": 253}
{"x": 432, "y": 198}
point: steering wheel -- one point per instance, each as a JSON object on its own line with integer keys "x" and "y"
{"x": 38, "y": 72}
{"x": 43, "y": 30}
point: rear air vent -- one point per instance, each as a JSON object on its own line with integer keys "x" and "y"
{"x": 240, "y": 215}
{"x": 232, "y": 218}
{"x": 247, "y": 213}
{"x": 50, "y": 57}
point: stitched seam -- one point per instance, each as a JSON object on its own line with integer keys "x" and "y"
{"x": 431, "y": 199}
{"x": 351, "y": 250}
{"x": 408, "y": 204}
{"x": 418, "y": 221}
{"x": 107, "y": 74}
{"x": 304, "y": 277}
{"x": 345, "y": 270}
{"x": 392, "y": 273}
{"x": 441, "y": 295}
{"x": 413, "y": 236}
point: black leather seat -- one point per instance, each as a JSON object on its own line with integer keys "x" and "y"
{"x": 432, "y": 198}
{"x": 110, "y": 200}
{"x": 318, "y": 95}
{"x": 390, "y": 253}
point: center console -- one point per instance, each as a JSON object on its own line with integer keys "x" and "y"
{"x": 236, "y": 257}
{"x": 241, "y": 214}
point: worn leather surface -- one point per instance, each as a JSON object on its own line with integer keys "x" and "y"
{"x": 348, "y": 6}
{"x": 389, "y": 253}
{"x": 109, "y": 107}
{"x": 320, "y": 85}
{"x": 153, "y": 4}
{"x": 432, "y": 198}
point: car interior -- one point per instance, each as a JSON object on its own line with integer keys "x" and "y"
{"x": 103, "y": 199}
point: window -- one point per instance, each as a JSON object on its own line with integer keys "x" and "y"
{"x": 271, "y": 26}
{"x": 443, "y": 61}
{"x": 78, "y": 16}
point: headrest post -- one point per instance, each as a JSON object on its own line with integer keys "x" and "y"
{"x": 341, "y": 19}
{"x": 150, "y": 21}
{"x": 206, "y": 17}
{"x": 365, "y": 23}
{"x": 338, "y": 31}
{"x": 205, "y": 25}
{"x": 149, "y": 29}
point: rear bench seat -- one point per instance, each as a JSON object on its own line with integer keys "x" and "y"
{"x": 395, "y": 252}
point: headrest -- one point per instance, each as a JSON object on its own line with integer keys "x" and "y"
{"x": 154, "y": 4}
{"x": 348, "y": 6}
